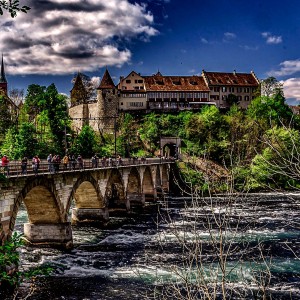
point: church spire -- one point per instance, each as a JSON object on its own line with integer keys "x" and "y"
{"x": 2, "y": 75}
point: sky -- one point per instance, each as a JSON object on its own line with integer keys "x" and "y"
{"x": 58, "y": 38}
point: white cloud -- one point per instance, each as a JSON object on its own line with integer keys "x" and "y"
{"x": 271, "y": 39}
{"x": 287, "y": 67}
{"x": 249, "y": 48}
{"x": 229, "y": 36}
{"x": 64, "y": 36}
{"x": 204, "y": 41}
{"x": 291, "y": 88}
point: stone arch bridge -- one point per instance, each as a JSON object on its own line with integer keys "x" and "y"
{"x": 48, "y": 198}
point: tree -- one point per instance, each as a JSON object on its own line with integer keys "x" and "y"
{"x": 270, "y": 87}
{"x": 270, "y": 109}
{"x": 232, "y": 99}
{"x": 35, "y": 100}
{"x": 17, "y": 96}
{"x": 85, "y": 143}
{"x": 13, "y": 7}
{"x": 5, "y": 116}
{"x": 56, "y": 105}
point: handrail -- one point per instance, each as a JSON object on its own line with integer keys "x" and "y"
{"x": 15, "y": 166}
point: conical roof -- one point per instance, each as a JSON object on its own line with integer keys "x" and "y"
{"x": 106, "y": 82}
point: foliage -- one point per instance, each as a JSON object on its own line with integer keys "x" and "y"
{"x": 5, "y": 116}
{"x": 10, "y": 275}
{"x": 278, "y": 164}
{"x": 13, "y": 7}
{"x": 85, "y": 142}
{"x": 270, "y": 110}
{"x": 48, "y": 109}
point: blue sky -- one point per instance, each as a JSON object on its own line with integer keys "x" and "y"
{"x": 58, "y": 38}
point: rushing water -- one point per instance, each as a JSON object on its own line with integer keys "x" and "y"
{"x": 138, "y": 253}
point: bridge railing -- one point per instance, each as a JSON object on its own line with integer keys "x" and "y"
{"x": 14, "y": 168}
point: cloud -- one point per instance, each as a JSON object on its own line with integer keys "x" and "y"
{"x": 204, "y": 41}
{"x": 64, "y": 36}
{"x": 291, "y": 88}
{"x": 271, "y": 39}
{"x": 229, "y": 36}
{"x": 249, "y": 48}
{"x": 287, "y": 67}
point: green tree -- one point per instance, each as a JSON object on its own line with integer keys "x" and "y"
{"x": 85, "y": 142}
{"x": 269, "y": 110}
{"x": 278, "y": 164}
{"x": 5, "y": 116}
{"x": 35, "y": 100}
{"x": 56, "y": 105}
{"x": 27, "y": 144}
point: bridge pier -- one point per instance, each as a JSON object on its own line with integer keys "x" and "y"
{"x": 59, "y": 234}
{"x": 135, "y": 199}
{"x": 80, "y": 215}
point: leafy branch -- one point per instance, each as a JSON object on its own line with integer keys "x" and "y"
{"x": 13, "y": 7}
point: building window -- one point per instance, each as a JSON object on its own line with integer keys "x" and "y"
{"x": 246, "y": 90}
{"x": 231, "y": 89}
{"x": 224, "y": 89}
{"x": 189, "y": 95}
{"x": 140, "y": 81}
{"x": 246, "y": 98}
{"x": 182, "y": 95}
{"x": 136, "y": 104}
{"x": 121, "y": 103}
{"x": 216, "y": 89}
{"x": 239, "y": 89}
{"x": 128, "y": 81}
{"x": 174, "y": 95}
{"x": 197, "y": 95}
{"x": 166, "y": 95}
{"x": 158, "y": 95}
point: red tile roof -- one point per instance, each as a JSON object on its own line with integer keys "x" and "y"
{"x": 174, "y": 83}
{"x": 235, "y": 79}
{"x": 106, "y": 82}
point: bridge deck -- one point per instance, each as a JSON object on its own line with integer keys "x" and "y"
{"x": 15, "y": 169}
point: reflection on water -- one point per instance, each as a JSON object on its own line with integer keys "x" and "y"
{"x": 128, "y": 260}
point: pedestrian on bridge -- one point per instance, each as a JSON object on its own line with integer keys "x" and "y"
{"x": 24, "y": 163}
{"x": 5, "y": 162}
{"x": 80, "y": 162}
{"x": 50, "y": 163}
{"x": 65, "y": 161}
{"x": 36, "y": 164}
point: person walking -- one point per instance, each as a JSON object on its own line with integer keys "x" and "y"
{"x": 5, "y": 162}
{"x": 35, "y": 164}
{"x": 24, "y": 163}
{"x": 65, "y": 161}
{"x": 50, "y": 163}
{"x": 80, "y": 162}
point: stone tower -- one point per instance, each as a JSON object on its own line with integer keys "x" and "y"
{"x": 79, "y": 110}
{"x": 3, "y": 81}
{"x": 108, "y": 101}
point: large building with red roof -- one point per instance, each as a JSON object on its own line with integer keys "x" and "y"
{"x": 159, "y": 93}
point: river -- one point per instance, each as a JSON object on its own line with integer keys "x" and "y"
{"x": 145, "y": 255}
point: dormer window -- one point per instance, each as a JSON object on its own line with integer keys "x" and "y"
{"x": 176, "y": 82}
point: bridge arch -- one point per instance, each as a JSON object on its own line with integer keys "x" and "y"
{"x": 134, "y": 187}
{"x": 86, "y": 193}
{"x": 148, "y": 185}
{"x": 115, "y": 192}
{"x": 49, "y": 210}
